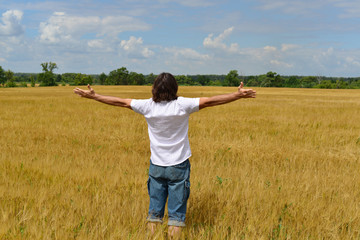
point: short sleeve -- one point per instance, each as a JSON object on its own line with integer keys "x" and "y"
{"x": 140, "y": 106}
{"x": 190, "y": 105}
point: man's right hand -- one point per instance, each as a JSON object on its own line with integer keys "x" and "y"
{"x": 85, "y": 93}
{"x": 226, "y": 98}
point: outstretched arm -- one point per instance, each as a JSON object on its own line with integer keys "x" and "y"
{"x": 115, "y": 101}
{"x": 226, "y": 98}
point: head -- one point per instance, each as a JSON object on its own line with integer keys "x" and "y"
{"x": 165, "y": 88}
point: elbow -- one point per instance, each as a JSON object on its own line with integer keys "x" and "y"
{"x": 204, "y": 102}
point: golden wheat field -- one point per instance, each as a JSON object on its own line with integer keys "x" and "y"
{"x": 285, "y": 165}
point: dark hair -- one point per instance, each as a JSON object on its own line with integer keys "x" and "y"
{"x": 165, "y": 88}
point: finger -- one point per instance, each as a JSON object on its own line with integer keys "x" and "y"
{"x": 77, "y": 90}
{"x": 250, "y": 93}
{"x": 241, "y": 85}
{"x": 89, "y": 87}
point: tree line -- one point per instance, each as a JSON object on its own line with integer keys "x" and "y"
{"x": 122, "y": 76}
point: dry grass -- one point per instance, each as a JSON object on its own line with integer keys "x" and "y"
{"x": 282, "y": 166}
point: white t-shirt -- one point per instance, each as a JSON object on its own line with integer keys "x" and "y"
{"x": 168, "y": 124}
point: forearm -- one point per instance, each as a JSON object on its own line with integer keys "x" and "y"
{"x": 114, "y": 101}
{"x": 219, "y": 99}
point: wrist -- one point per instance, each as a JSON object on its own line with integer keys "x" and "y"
{"x": 93, "y": 96}
{"x": 238, "y": 94}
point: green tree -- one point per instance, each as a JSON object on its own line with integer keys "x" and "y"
{"x": 118, "y": 77}
{"x": 102, "y": 78}
{"x": 83, "y": 79}
{"x": 2, "y": 76}
{"x": 310, "y": 81}
{"x": 9, "y": 75}
{"x": 149, "y": 79}
{"x": 183, "y": 80}
{"x": 341, "y": 84}
{"x": 325, "y": 84}
{"x": 78, "y": 80}
{"x": 277, "y": 81}
{"x": 273, "y": 79}
{"x": 292, "y": 82}
{"x": 203, "y": 80}
{"x": 47, "y": 77}
{"x": 32, "y": 81}
{"x": 232, "y": 79}
{"x": 58, "y": 78}
{"x": 264, "y": 81}
{"x": 355, "y": 84}
{"x": 10, "y": 79}
{"x": 252, "y": 81}
{"x": 136, "y": 79}
{"x": 215, "y": 83}
{"x": 49, "y": 67}
{"x": 69, "y": 78}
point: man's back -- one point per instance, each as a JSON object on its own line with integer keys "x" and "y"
{"x": 168, "y": 124}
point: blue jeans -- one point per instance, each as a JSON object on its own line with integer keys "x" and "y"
{"x": 172, "y": 182}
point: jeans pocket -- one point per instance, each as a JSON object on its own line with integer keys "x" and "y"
{"x": 148, "y": 186}
{"x": 186, "y": 191}
{"x": 179, "y": 172}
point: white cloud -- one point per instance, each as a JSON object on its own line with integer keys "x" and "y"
{"x": 61, "y": 27}
{"x": 287, "y": 47}
{"x": 11, "y": 25}
{"x": 100, "y": 45}
{"x": 351, "y": 8}
{"x": 278, "y": 63}
{"x": 329, "y": 52}
{"x": 187, "y": 54}
{"x": 352, "y": 61}
{"x": 218, "y": 42}
{"x": 190, "y": 3}
{"x": 270, "y": 48}
{"x": 5, "y": 48}
{"x": 11, "y": 34}
{"x": 113, "y": 25}
{"x": 96, "y": 43}
{"x": 177, "y": 59}
{"x": 294, "y": 7}
{"x": 134, "y": 48}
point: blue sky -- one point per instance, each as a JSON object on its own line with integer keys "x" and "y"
{"x": 317, "y": 37}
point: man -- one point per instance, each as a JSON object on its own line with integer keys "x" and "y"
{"x": 167, "y": 116}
